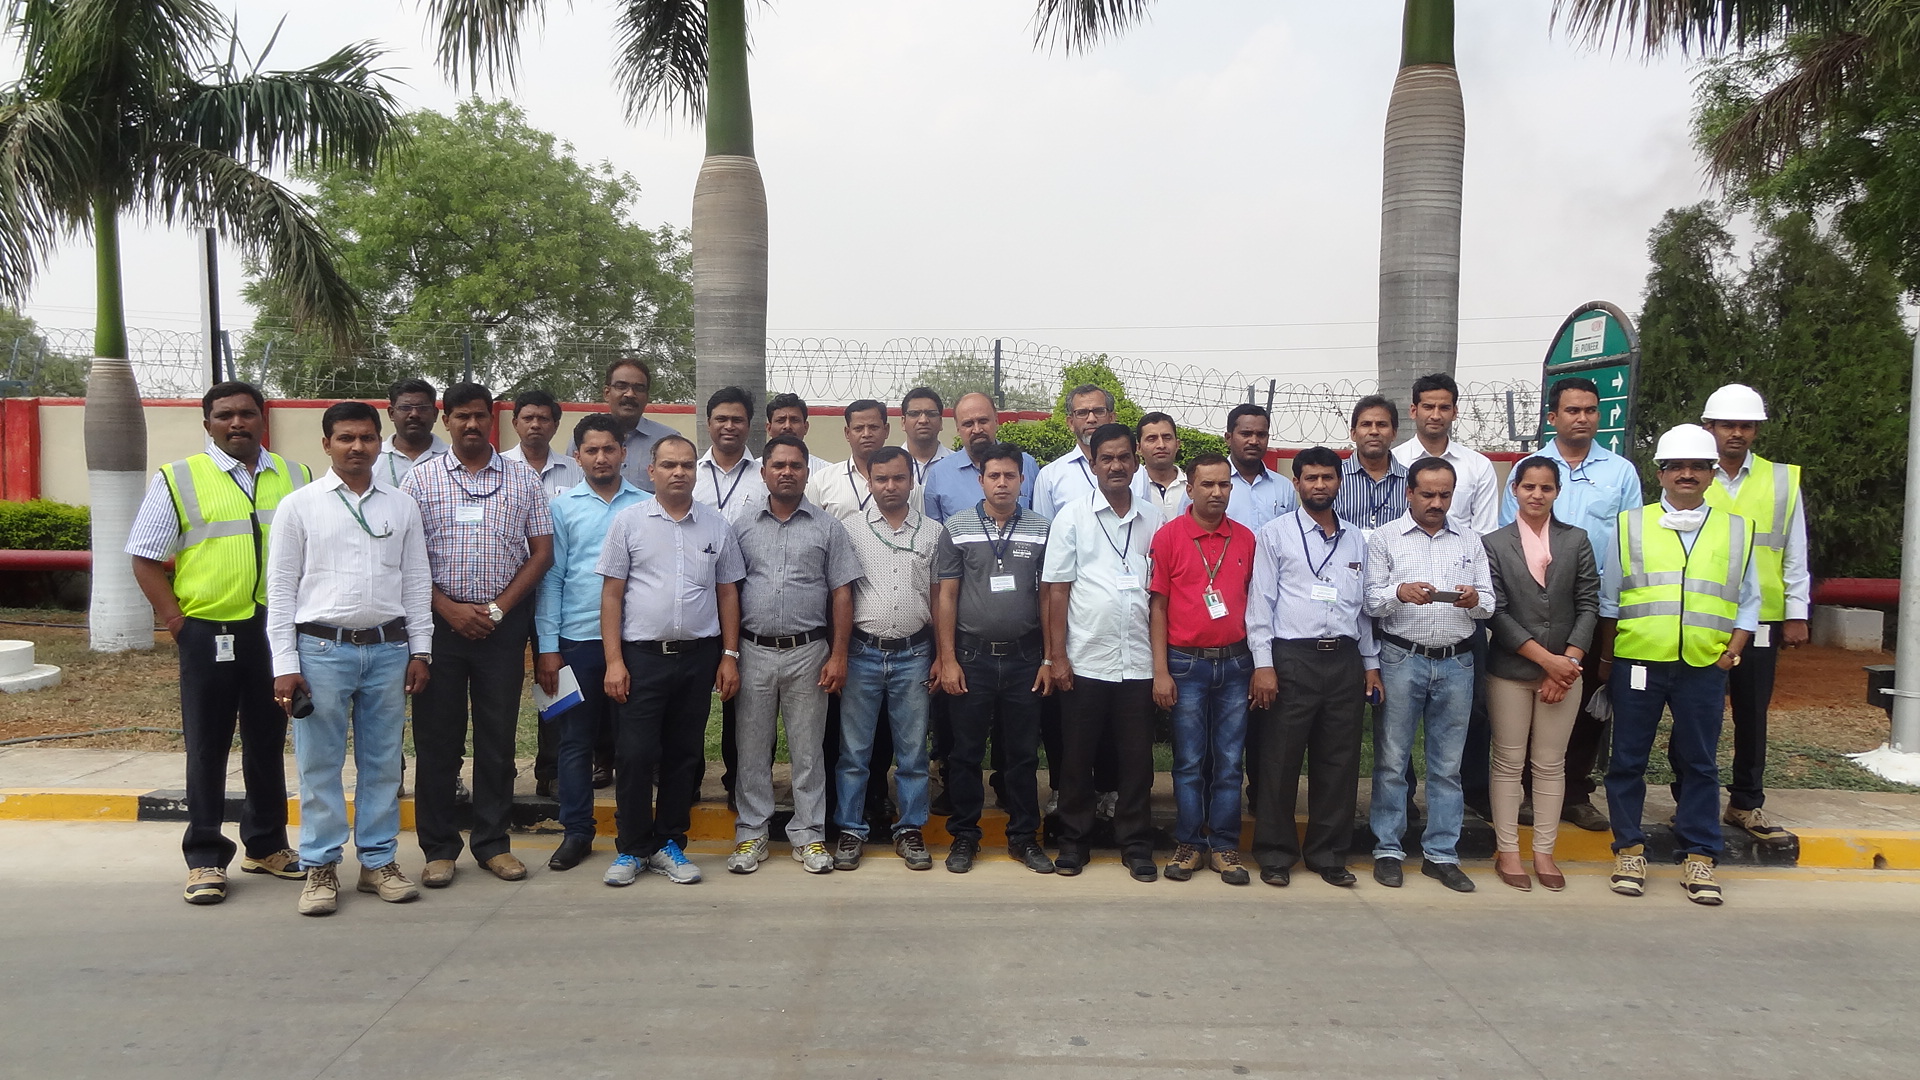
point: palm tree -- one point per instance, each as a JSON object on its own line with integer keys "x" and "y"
{"x": 122, "y": 106}
{"x": 690, "y": 57}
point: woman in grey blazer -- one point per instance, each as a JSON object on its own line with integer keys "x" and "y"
{"x": 1546, "y": 606}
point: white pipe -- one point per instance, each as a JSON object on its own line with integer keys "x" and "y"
{"x": 1906, "y": 661}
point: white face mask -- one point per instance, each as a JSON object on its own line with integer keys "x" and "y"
{"x": 1684, "y": 520}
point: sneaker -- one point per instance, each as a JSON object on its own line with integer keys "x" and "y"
{"x": 321, "y": 894}
{"x": 1228, "y": 865}
{"x": 1053, "y": 804}
{"x": 748, "y": 855}
{"x": 672, "y": 863}
{"x": 1756, "y": 825}
{"x": 625, "y": 869}
{"x": 206, "y": 885}
{"x": 1030, "y": 855}
{"x": 1696, "y": 876}
{"x": 1584, "y": 815}
{"x": 1105, "y": 804}
{"x": 847, "y": 850}
{"x": 1186, "y": 859}
{"x": 1629, "y": 871}
{"x": 281, "y": 864}
{"x": 388, "y": 883}
{"x": 814, "y": 858}
{"x": 960, "y": 856}
{"x": 911, "y": 846}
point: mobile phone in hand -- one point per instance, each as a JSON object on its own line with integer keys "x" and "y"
{"x": 1444, "y": 596}
{"x": 301, "y": 706}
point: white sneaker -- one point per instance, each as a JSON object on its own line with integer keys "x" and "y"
{"x": 1696, "y": 876}
{"x": 1629, "y": 871}
{"x": 624, "y": 871}
{"x": 815, "y": 857}
{"x": 748, "y": 855}
{"x": 672, "y": 863}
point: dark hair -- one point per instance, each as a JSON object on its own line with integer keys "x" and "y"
{"x": 923, "y": 392}
{"x": 1089, "y": 388}
{"x": 1537, "y": 461}
{"x": 597, "y": 422}
{"x": 1206, "y": 459}
{"x": 230, "y": 389}
{"x": 890, "y": 453}
{"x": 865, "y": 405}
{"x": 675, "y": 437}
{"x": 537, "y": 398}
{"x": 348, "y": 410}
{"x": 1140, "y": 428}
{"x": 1245, "y": 408}
{"x": 1106, "y": 433}
{"x": 786, "y": 401}
{"x": 766, "y": 452}
{"x": 1426, "y": 465}
{"x": 730, "y": 395}
{"x": 461, "y": 393}
{"x": 630, "y": 361}
{"x": 411, "y": 386}
{"x": 1316, "y": 456}
{"x": 1571, "y": 382}
{"x": 1002, "y": 451}
{"x": 1375, "y": 401}
{"x": 1439, "y": 380}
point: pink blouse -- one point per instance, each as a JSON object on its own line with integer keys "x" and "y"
{"x": 1534, "y": 544}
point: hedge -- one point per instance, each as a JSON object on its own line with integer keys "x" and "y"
{"x": 44, "y": 525}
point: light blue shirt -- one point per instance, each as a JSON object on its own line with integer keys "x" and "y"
{"x": 1258, "y": 501}
{"x": 569, "y": 596}
{"x": 1746, "y": 618}
{"x": 1068, "y": 478}
{"x": 953, "y": 484}
{"x": 1294, "y": 555}
{"x": 1592, "y": 497}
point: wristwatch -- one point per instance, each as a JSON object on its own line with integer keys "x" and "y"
{"x": 424, "y": 657}
{"x": 494, "y": 612}
{"x": 735, "y": 653}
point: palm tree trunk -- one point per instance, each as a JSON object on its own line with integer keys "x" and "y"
{"x": 730, "y": 229}
{"x": 1420, "y": 207}
{"x": 116, "y": 438}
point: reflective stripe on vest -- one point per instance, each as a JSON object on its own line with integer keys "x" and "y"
{"x": 219, "y": 567}
{"x": 1676, "y": 604}
{"x": 1767, "y": 499}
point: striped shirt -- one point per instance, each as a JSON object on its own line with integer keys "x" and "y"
{"x": 1367, "y": 502}
{"x": 1403, "y": 552}
{"x": 477, "y": 524}
{"x": 892, "y": 600}
{"x": 156, "y": 528}
{"x": 975, "y": 551}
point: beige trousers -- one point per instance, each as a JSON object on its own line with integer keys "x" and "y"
{"x": 1519, "y": 717}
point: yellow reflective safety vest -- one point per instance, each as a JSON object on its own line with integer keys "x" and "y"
{"x": 1767, "y": 499}
{"x": 219, "y": 571}
{"x": 1676, "y": 604}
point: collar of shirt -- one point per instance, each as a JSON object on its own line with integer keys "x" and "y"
{"x": 1178, "y": 483}
{"x": 1101, "y": 502}
{"x": 652, "y": 508}
{"x": 1720, "y": 471}
{"x": 330, "y": 479}
{"x": 555, "y": 459}
{"x": 747, "y": 460}
{"x": 1305, "y": 523}
{"x": 1596, "y": 454}
{"x": 228, "y": 463}
{"x": 455, "y": 465}
{"x": 1407, "y": 525}
{"x": 911, "y": 523}
{"x": 1190, "y": 527}
{"x": 584, "y": 490}
{"x": 806, "y": 507}
{"x": 1353, "y": 467}
{"x": 434, "y": 449}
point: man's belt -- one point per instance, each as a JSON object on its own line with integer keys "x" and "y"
{"x": 1218, "y": 652}
{"x": 376, "y": 635}
{"x": 1322, "y": 644}
{"x": 894, "y": 644}
{"x": 788, "y": 641}
{"x": 996, "y": 648}
{"x": 671, "y": 648}
{"x": 1431, "y": 652}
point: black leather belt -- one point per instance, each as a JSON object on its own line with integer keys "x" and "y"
{"x": 1218, "y": 652}
{"x": 1324, "y": 644}
{"x": 670, "y": 648}
{"x": 894, "y": 644}
{"x": 996, "y": 648}
{"x": 376, "y": 635}
{"x": 1431, "y": 652}
{"x": 790, "y": 641}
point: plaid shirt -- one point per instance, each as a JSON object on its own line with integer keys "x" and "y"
{"x": 477, "y": 524}
{"x": 1402, "y": 551}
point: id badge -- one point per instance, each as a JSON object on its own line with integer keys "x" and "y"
{"x": 223, "y": 648}
{"x": 469, "y": 515}
{"x": 1763, "y": 638}
{"x": 1129, "y": 583}
{"x": 1324, "y": 592}
{"x": 1637, "y": 677}
{"x": 1216, "y": 607}
{"x": 1001, "y": 582}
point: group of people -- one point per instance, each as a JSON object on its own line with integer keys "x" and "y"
{"x": 949, "y": 613}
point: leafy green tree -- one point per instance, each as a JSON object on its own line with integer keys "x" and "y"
{"x": 484, "y": 226}
{"x": 1052, "y": 438}
{"x": 1692, "y": 333}
{"x": 965, "y": 373}
{"x": 32, "y": 366}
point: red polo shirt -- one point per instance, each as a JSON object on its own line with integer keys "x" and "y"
{"x": 1182, "y": 552}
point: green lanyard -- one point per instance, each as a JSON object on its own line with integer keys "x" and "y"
{"x": 911, "y": 543}
{"x": 361, "y": 518}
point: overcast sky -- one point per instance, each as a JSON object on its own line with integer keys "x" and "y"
{"x": 1204, "y": 190}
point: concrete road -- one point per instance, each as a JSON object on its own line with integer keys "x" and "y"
{"x": 892, "y": 974}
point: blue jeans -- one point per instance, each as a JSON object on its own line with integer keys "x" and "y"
{"x": 1209, "y": 734}
{"x": 362, "y": 687}
{"x": 579, "y": 727}
{"x": 897, "y": 680}
{"x": 1438, "y": 694}
{"x": 1697, "y": 697}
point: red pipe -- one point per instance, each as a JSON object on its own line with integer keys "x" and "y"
{"x": 1857, "y": 592}
{"x": 46, "y": 560}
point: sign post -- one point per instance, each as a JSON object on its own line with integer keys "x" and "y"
{"x": 1596, "y": 342}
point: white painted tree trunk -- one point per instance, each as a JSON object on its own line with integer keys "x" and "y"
{"x": 730, "y": 284}
{"x": 1420, "y": 230}
{"x": 119, "y": 617}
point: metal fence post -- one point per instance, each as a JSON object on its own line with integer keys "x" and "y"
{"x": 999, "y": 394}
{"x": 1906, "y": 659}
{"x": 466, "y": 353}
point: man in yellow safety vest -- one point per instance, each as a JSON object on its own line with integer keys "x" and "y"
{"x": 212, "y": 514}
{"x": 1686, "y": 595}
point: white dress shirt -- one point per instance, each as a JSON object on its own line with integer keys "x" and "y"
{"x": 561, "y": 474}
{"x": 1476, "y": 488}
{"x": 324, "y": 567}
{"x": 392, "y": 466}
{"x": 1170, "y": 500}
{"x": 734, "y": 492}
{"x": 1103, "y": 555}
{"x": 1068, "y": 478}
{"x": 840, "y": 490}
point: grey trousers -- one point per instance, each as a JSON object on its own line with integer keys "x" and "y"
{"x": 783, "y": 683}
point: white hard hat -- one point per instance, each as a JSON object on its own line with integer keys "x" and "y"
{"x": 1735, "y": 401}
{"x": 1688, "y": 442}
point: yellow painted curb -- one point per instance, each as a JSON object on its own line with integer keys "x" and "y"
{"x": 1859, "y": 849}
{"x": 70, "y": 804}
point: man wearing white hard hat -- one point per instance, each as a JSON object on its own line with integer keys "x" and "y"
{"x": 1686, "y": 593}
{"x": 1766, "y": 493}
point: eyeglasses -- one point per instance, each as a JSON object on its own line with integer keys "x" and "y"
{"x": 628, "y": 388}
{"x": 413, "y": 410}
{"x": 1088, "y": 414}
{"x": 923, "y": 414}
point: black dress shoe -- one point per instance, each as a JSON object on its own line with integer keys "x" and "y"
{"x": 960, "y": 855}
{"x": 1386, "y": 871}
{"x": 1032, "y": 856}
{"x": 1447, "y": 874}
{"x": 602, "y": 777}
{"x": 1276, "y": 875}
{"x": 1337, "y": 875}
{"x": 1068, "y": 863}
{"x": 543, "y": 789}
{"x": 1143, "y": 868}
{"x": 571, "y": 851}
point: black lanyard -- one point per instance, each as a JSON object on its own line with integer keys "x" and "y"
{"x": 1126, "y": 545}
{"x": 724, "y": 499}
{"x": 1375, "y": 505}
{"x": 1333, "y": 548}
{"x": 360, "y": 517}
{"x": 999, "y": 548}
{"x": 860, "y": 500}
{"x": 500, "y": 478}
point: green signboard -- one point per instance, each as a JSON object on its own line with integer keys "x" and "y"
{"x": 1596, "y": 342}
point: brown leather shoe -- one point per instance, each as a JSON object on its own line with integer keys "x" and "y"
{"x": 438, "y": 874}
{"x": 1519, "y": 881}
{"x": 388, "y": 883}
{"x": 505, "y": 867}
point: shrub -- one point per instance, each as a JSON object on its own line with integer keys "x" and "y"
{"x": 44, "y": 525}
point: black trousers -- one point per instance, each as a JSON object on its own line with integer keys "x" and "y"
{"x": 1119, "y": 717}
{"x": 1476, "y": 760}
{"x": 487, "y": 675}
{"x": 1000, "y": 703}
{"x": 1317, "y": 716}
{"x": 663, "y": 725}
{"x": 1750, "y": 692}
{"x": 213, "y": 695}
{"x": 1104, "y": 766}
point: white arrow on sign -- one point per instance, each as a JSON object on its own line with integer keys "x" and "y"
{"x": 1613, "y": 443}
{"x": 1613, "y": 417}
{"x": 1619, "y": 380}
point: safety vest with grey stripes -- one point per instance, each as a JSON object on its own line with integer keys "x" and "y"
{"x": 1678, "y": 604}
{"x": 1767, "y": 499}
{"x": 219, "y": 566}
